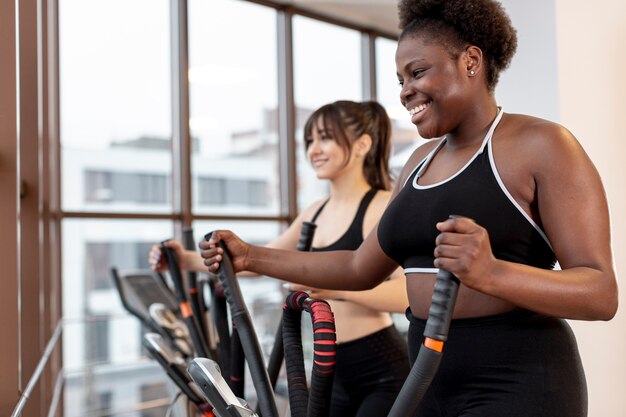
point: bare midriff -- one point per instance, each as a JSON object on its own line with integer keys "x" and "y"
{"x": 353, "y": 321}
{"x": 469, "y": 303}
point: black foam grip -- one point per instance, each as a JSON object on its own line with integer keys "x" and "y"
{"x": 321, "y": 393}
{"x": 174, "y": 269}
{"x": 254, "y": 358}
{"x": 276, "y": 356}
{"x": 294, "y": 362}
{"x": 305, "y": 241}
{"x": 219, "y": 313}
{"x": 247, "y": 334}
{"x": 417, "y": 383}
{"x": 425, "y": 367}
{"x": 195, "y": 293}
{"x": 442, "y": 306}
{"x": 238, "y": 365}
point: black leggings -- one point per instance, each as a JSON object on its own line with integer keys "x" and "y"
{"x": 518, "y": 364}
{"x": 369, "y": 374}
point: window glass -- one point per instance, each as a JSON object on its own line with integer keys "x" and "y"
{"x": 233, "y": 108}
{"x": 404, "y": 137}
{"x": 102, "y": 351}
{"x": 115, "y": 105}
{"x": 327, "y": 67}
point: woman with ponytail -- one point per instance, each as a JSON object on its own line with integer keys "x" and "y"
{"x": 348, "y": 144}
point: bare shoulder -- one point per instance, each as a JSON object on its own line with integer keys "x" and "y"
{"x": 380, "y": 201}
{"x": 536, "y": 144}
{"x": 539, "y": 135}
{"x": 375, "y": 210}
{"x": 316, "y": 204}
{"x": 307, "y": 213}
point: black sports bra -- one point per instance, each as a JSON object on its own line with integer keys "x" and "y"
{"x": 407, "y": 231}
{"x": 353, "y": 237}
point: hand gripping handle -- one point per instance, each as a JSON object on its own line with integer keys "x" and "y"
{"x": 249, "y": 341}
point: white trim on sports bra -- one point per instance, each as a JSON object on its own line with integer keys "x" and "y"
{"x": 506, "y": 192}
{"x": 431, "y": 155}
{"x": 421, "y": 270}
{"x": 426, "y": 161}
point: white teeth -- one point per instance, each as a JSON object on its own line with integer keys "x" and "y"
{"x": 419, "y": 108}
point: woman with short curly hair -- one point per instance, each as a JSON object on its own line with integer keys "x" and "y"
{"x": 494, "y": 198}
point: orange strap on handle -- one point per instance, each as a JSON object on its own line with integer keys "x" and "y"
{"x": 185, "y": 309}
{"x": 432, "y": 344}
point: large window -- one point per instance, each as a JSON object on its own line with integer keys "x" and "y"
{"x": 120, "y": 181}
{"x": 115, "y": 105}
{"x": 233, "y": 107}
{"x": 100, "y": 341}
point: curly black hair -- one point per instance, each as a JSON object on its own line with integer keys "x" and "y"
{"x": 460, "y": 23}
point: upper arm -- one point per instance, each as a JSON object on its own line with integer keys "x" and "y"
{"x": 571, "y": 201}
{"x": 370, "y": 263}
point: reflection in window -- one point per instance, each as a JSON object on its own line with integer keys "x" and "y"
{"x": 101, "y": 256}
{"x": 332, "y": 72}
{"x": 108, "y": 186}
{"x": 97, "y": 340}
{"x": 151, "y": 392}
{"x": 233, "y": 107}
{"x": 99, "y": 401}
{"x": 232, "y": 191}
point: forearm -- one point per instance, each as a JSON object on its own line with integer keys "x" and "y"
{"x": 389, "y": 296}
{"x": 192, "y": 261}
{"x": 580, "y": 293}
{"x": 314, "y": 269}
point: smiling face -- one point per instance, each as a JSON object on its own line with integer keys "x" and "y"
{"x": 435, "y": 85}
{"x": 327, "y": 157}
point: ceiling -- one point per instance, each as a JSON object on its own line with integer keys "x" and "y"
{"x": 381, "y": 15}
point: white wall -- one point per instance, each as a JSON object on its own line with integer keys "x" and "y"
{"x": 530, "y": 85}
{"x": 570, "y": 67}
{"x": 591, "y": 40}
